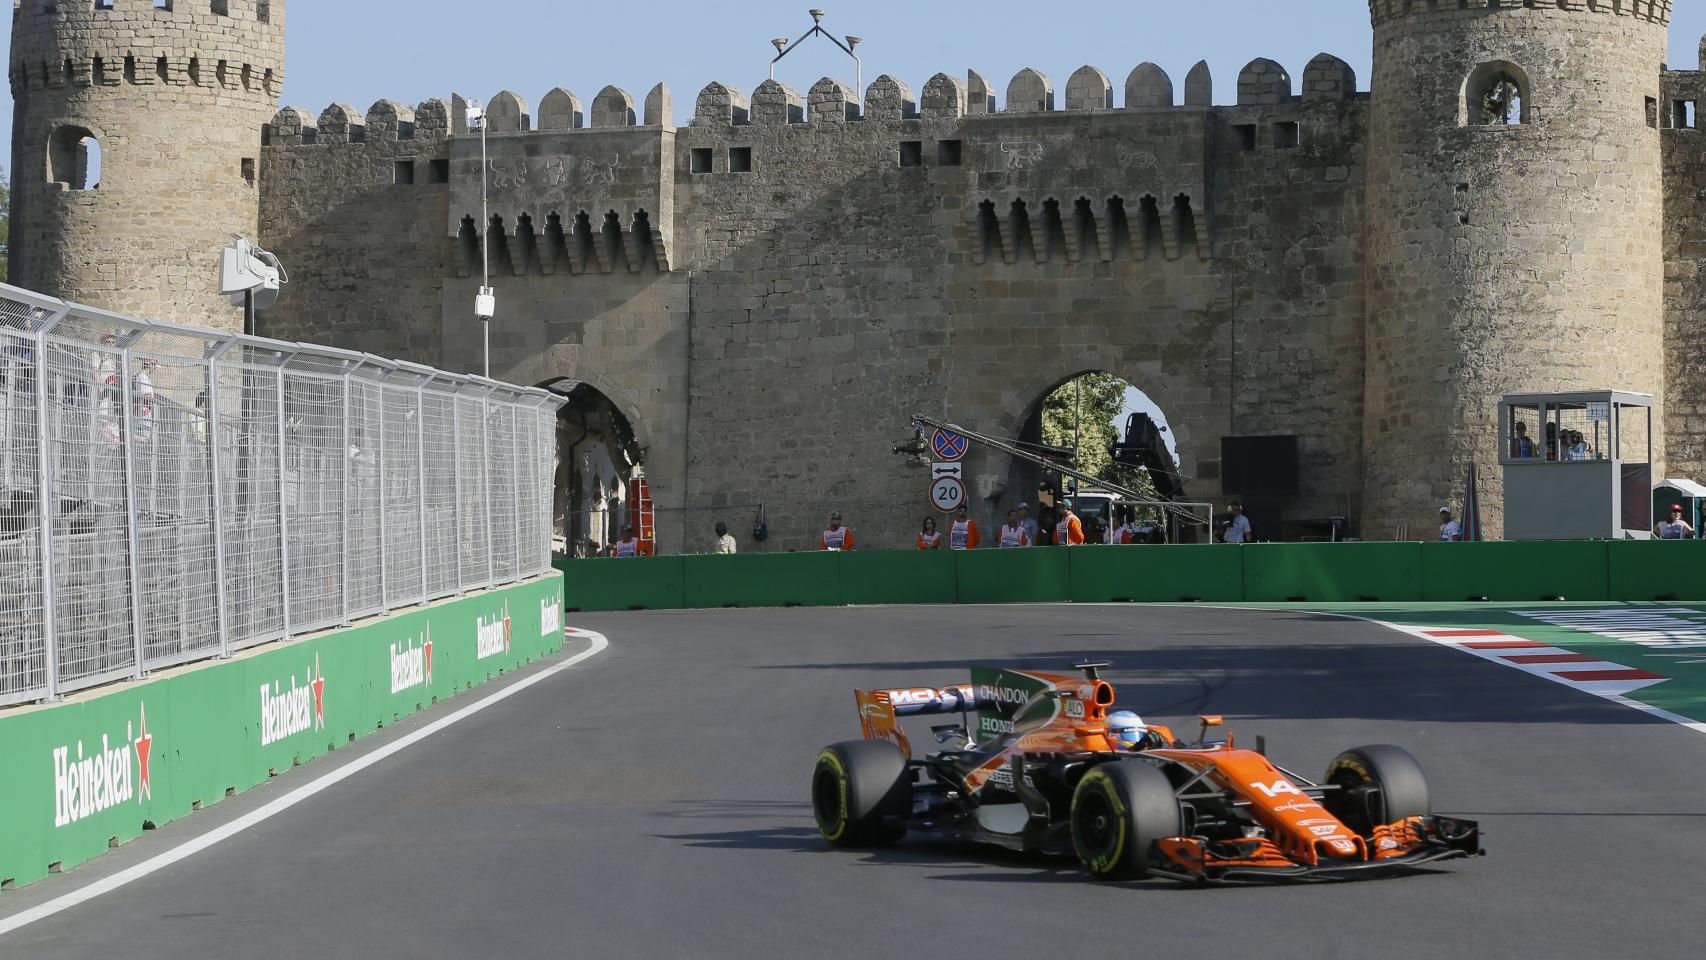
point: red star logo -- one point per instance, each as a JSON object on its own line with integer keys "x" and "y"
{"x": 319, "y": 686}
{"x": 144, "y": 751}
{"x": 426, "y": 656}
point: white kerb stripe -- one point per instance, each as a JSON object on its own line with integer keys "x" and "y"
{"x": 190, "y": 848}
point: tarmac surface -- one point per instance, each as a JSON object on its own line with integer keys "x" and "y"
{"x": 651, "y": 802}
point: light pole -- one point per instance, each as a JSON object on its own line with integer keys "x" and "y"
{"x": 485, "y": 302}
{"x": 783, "y": 48}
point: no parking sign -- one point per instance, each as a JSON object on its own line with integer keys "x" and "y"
{"x": 948, "y": 445}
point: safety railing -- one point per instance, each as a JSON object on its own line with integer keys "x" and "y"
{"x": 169, "y": 493}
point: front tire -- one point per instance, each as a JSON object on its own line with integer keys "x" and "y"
{"x": 860, "y": 790}
{"x": 1378, "y": 784}
{"x": 1118, "y": 812}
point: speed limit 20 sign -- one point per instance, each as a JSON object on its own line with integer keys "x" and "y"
{"x": 948, "y": 493}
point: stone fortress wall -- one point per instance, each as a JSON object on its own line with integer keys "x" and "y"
{"x": 176, "y": 94}
{"x": 770, "y": 289}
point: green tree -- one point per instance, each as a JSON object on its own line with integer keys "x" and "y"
{"x": 1084, "y": 413}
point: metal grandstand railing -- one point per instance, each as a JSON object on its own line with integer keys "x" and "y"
{"x": 169, "y": 493}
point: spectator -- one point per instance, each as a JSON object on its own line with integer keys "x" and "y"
{"x": 963, "y": 534}
{"x": 1578, "y": 449}
{"x": 1522, "y": 446}
{"x": 1027, "y": 523}
{"x": 1127, "y": 532}
{"x": 1449, "y": 530}
{"x": 1013, "y": 532}
{"x": 1675, "y": 528}
{"x": 1068, "y": 532}
{"x": 142, "y": 400}
{"x": 630, "y": 545}
{"x": 837, "y": 537}
{"x": 1237, "y": 529}
{"x": 1551, "y": 441}
{"x": 929, "y": 538}
{"x": 725, "y": 541}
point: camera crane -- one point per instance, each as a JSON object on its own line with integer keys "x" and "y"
{"x": 1181, "y": 511}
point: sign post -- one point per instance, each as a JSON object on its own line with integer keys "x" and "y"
{"x": 947, "y": 493}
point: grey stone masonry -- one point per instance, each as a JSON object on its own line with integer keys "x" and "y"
{"x": 769, "y": 290}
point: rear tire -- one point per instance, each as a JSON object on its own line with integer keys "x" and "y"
{"x": 1378, "y": 784}
{"x": 860, "y": 789}
{"x": 1118, "y": 812}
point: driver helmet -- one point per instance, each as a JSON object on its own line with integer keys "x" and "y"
{"x": 1126, "y": 729}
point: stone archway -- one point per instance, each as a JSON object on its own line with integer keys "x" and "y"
{"x": 1097, "y": 405}
{"x": 600, "y": 458}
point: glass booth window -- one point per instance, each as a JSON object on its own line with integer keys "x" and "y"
{"x": 1522, "y": 429}
{"x": 1576, "y": 431}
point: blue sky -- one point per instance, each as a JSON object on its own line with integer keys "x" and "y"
{"x": 409, "y": 50}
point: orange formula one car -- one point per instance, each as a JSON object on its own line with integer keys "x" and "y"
{"x": 1040, "y": 773}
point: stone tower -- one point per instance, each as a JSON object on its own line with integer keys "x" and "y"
{"x": 171, "y": 95}
{"x": 1504, "y": 257}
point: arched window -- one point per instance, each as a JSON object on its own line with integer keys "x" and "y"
{"x": 1496, "y": 94}
{"x": 74, "y": 158}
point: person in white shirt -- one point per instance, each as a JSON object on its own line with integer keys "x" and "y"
{"x": 1449, "y": 529}
{"x": 1013, "y": 532}
{"x": 1675, "y": 528}
{"x": 725, "y": 541}
{"x": 1238, "y": 528}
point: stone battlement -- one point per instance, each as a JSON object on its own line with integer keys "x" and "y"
{"x": 1384, "y": 11}
{"x": 235, "y": 46}
{"x": 1262, "y": 82}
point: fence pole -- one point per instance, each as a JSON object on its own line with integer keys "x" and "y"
{"x": 47, "y": 506}
{"x": 456, "y": 477}
{"x": 343, "y": 502}
{"x": 420, "y": 483}
{"x": 486, "y": 498}
{"x": 214, "y": 421}
{"x": 379, "y": 474}
{"x": 515, "y": 462}
{"x": 126, "y": 401}
{"x": 283, "y": 503}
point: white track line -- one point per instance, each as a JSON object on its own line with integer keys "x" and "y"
{"x": 1617, "y": 698}
{"x": 190, "y": 848}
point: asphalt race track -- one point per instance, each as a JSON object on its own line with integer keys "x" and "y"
{"x": 651, "y": 803}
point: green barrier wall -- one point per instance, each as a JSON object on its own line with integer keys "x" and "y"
{"x": 764, "y": 580}
{"x": 1102, "y": 574}
{"x": 73, "y": 780}
{"x": 1035, "y": 575}
{"x": 1506, "y": 570}
{"x": 625, "y": 583}
{"x": 1275, "y": 572}
{"x": 1658, "y": 569}
{"x": 921, "y": 576}
{"x": 1258, "y": 572}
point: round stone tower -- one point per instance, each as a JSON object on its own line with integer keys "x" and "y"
{"x": 135, "y": 147}
{"x": 1513, "y": 225}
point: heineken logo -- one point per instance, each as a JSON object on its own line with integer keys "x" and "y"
{"x": 550, "y": 617}
{"x": 287, "y": 712}
{"x": 491, "y": 635}
{"x": 88, "y": 779}
{"x": 411, "y": 662}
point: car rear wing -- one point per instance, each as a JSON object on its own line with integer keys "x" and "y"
{"x": 880, "y": 710}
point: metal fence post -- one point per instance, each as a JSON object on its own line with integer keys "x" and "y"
{"x": 283, "y": 504}
{"x": 516, "y": 461}
{"x": 214, "y": 421}
{"x": 47, "y": 506}
{"x": 127, "y": 417}
{"x": 456, "y": 478}
{"x": 343, "y": 507}
{"x": 420, "y": 480}
{"x": 486, "y": 499}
